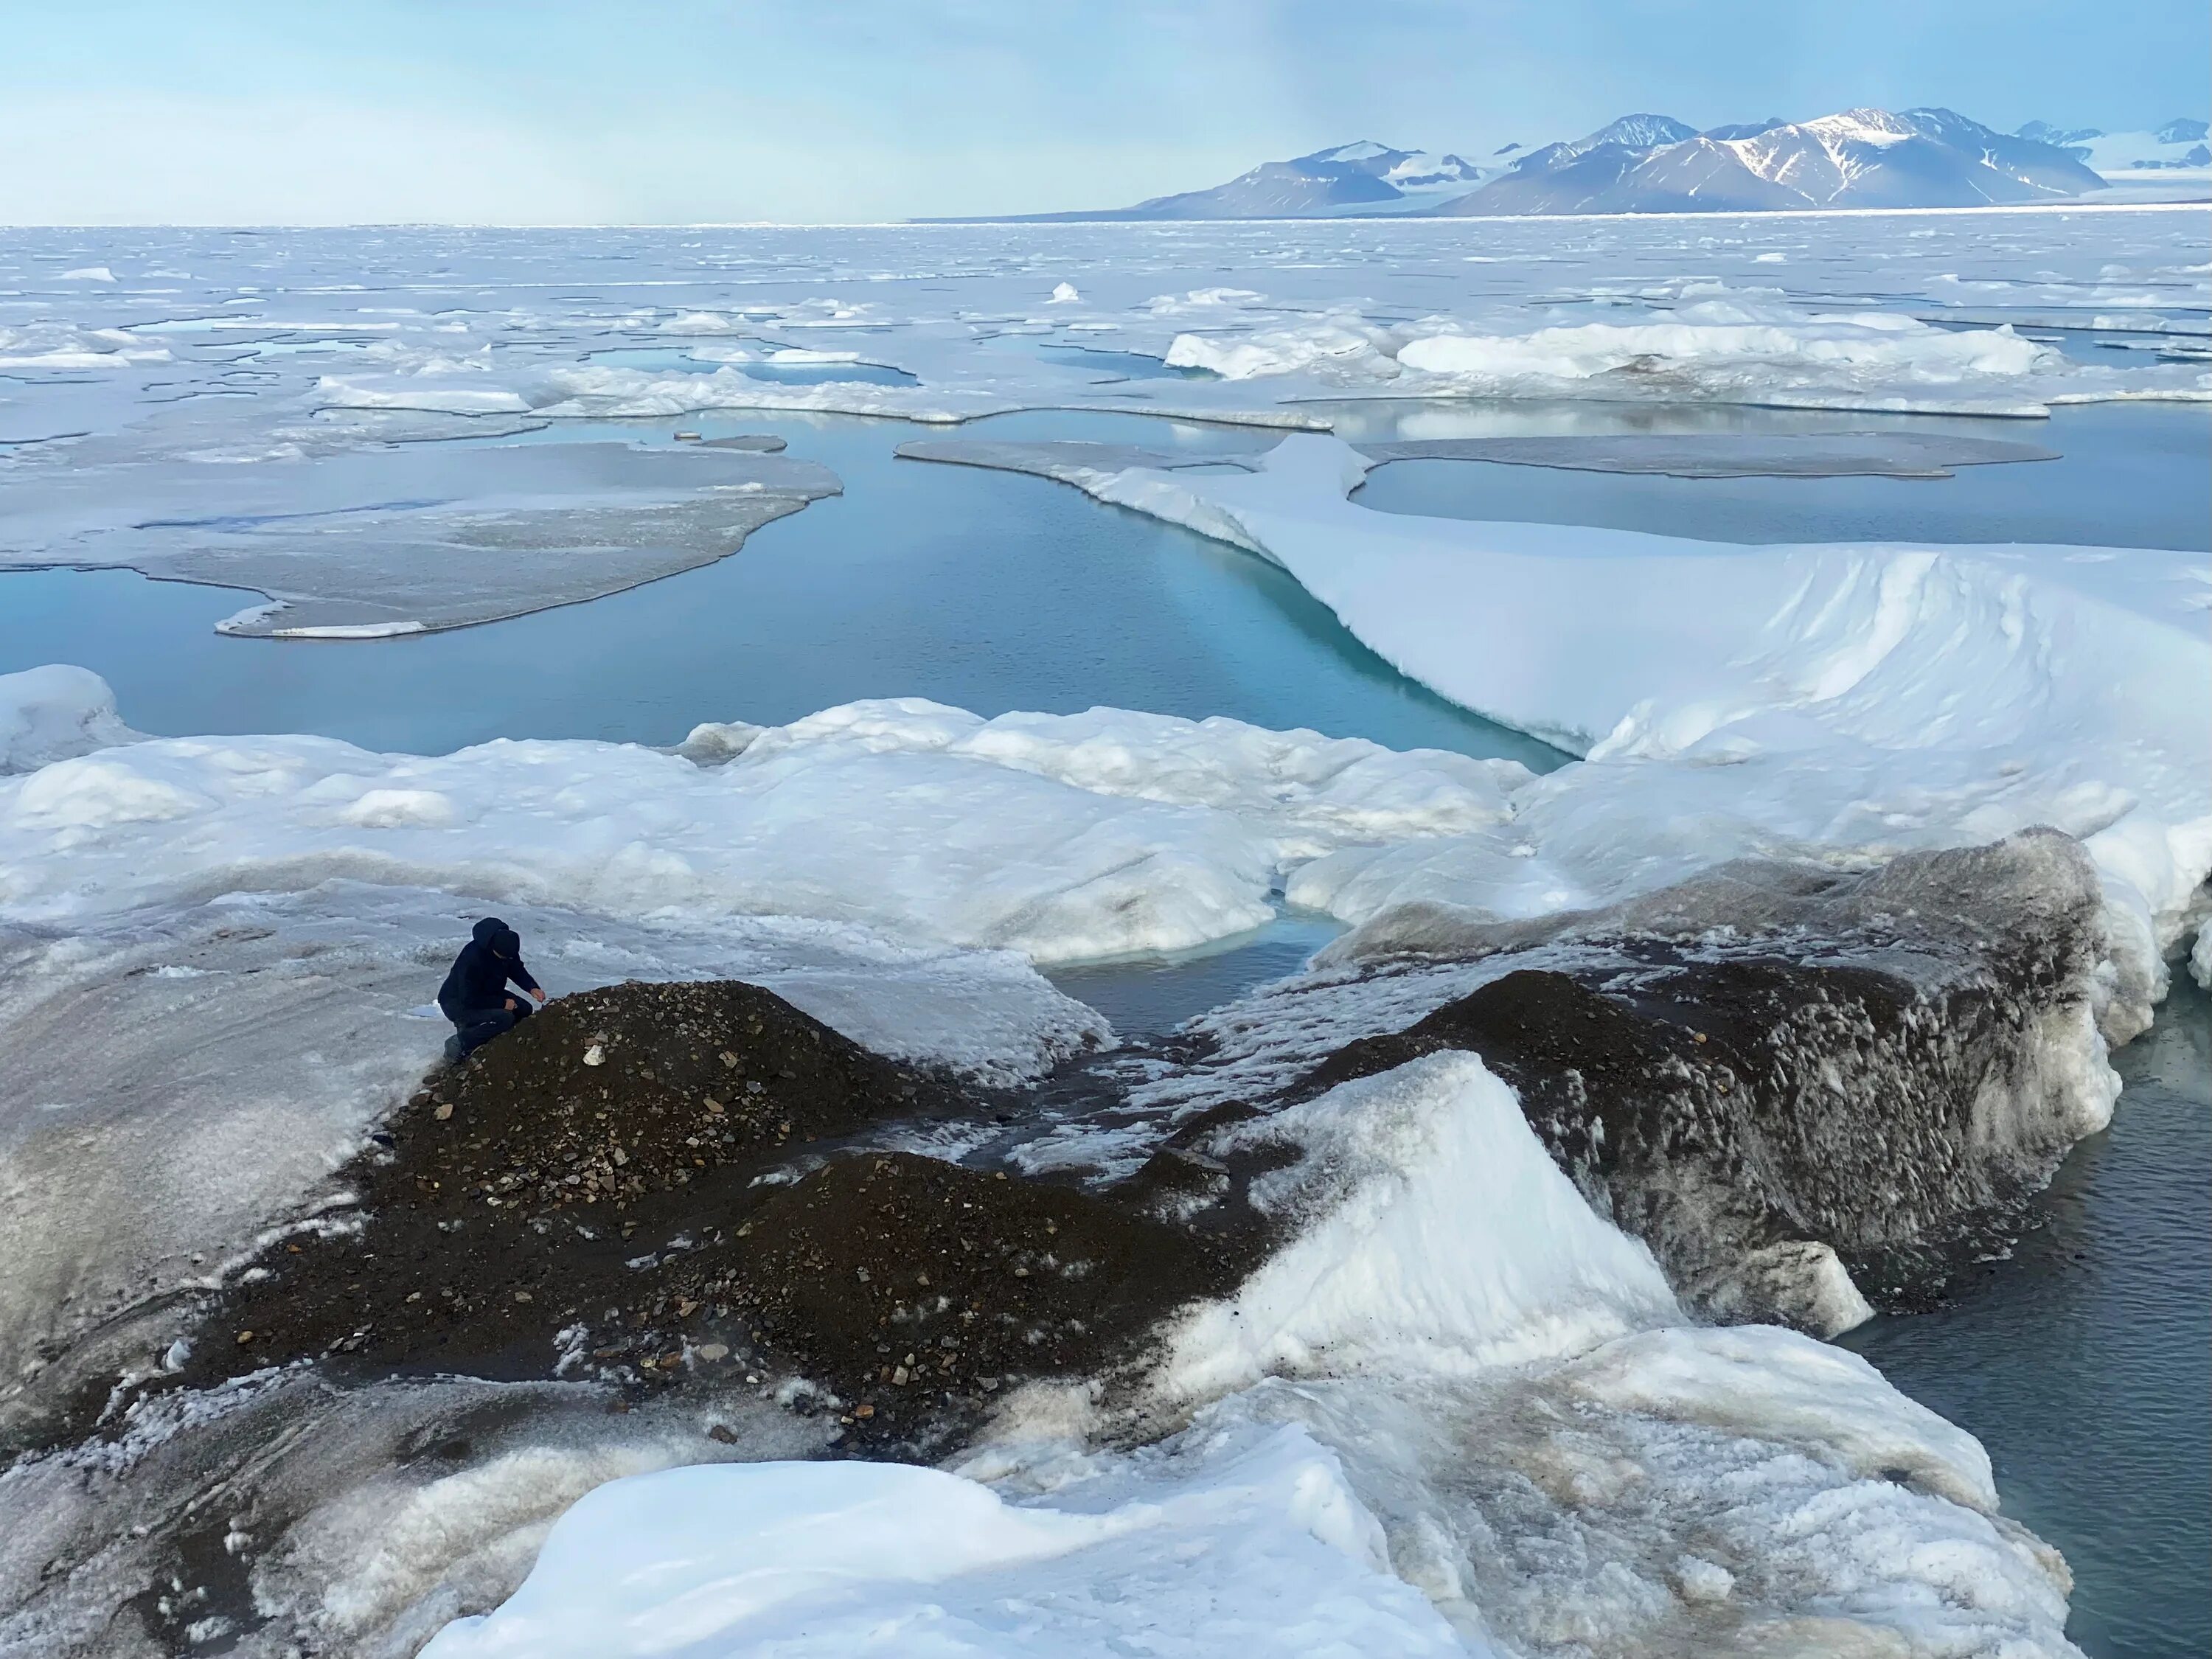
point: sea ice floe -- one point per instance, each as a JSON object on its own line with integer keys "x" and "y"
{"x": 130, "y": 411}
{"x": 371, "y": 544}
{"x": 1840, "y": 703}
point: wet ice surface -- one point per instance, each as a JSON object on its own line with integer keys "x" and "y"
{"x": 1897, "y": 453}
{"x": 422, "y": 536}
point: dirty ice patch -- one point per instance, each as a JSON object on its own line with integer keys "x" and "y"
{"x": 246, "y": 1045}
{"x": 1555, "y": 1458}
{"x": 1259, "y": 1549}
{"x": 1737, "y": 1493}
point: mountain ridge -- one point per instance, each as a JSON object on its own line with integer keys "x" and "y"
{"x": 1644, "y": 162}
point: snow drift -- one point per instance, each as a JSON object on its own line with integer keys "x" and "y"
{"x": 1840, "y": 704}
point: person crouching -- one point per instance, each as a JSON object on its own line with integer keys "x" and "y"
{"x": 474, "y": 994}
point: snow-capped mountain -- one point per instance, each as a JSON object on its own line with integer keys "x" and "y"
{"x": 1649, "y": 163}
{"x": 1359, "y": 177}
{"x": 1858, "y": 158}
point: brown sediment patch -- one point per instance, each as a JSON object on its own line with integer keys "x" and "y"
{"x": 910, "y": 1285}
{"x": 655, "y": 1183}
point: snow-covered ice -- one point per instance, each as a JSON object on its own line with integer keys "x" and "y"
{"x": 1839, "y": 703}
{"x": 1436, "y": 1226}
{"x": 1066, "y": 837}
{"x": 1264, "y": 1551}
{"x": 55, "y": 712}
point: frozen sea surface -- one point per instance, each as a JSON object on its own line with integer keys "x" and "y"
{"x": 215, "y": 349}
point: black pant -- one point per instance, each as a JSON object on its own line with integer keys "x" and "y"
{"x": 477, "y": 1026}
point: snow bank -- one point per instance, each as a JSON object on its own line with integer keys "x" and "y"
{"x": 1842, "y": 703}
{"x": 1064, "y": 837}
{"x": 1432, "y": 1228}
{"x": 55, "y": 712}
{"x": 1311, "y": 791}
{"x": 1733, "y": 351}
{"x": 1339, "y": 344}
{"x": 608, "y": 392}
{"x": 1261, "y": 1550}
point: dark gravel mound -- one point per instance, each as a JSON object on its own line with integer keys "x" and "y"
{"x": 659, "y": 1184}
{"x": 905, "y": 1282}
{"x": 1738, "y": 1111}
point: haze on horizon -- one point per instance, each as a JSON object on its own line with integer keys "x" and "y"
{"x": 121, "y": 112}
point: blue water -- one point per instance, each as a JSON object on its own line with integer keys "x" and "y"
{"x": 1130, "y": 365}
{"x": 985, "y": 589}
{"x": 1104, "y": 362}
{"x": 2084, "y": 1362}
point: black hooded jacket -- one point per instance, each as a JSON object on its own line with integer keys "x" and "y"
{"x": 491, "y": 958}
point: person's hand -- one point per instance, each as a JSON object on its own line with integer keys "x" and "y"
{"x": 540, "y": 995}
{"x": 510, "y": 1005}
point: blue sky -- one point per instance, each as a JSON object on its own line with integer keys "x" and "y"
{"x": 658, "y": 110}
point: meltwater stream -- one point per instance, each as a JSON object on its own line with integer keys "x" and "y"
{"x": 2082, "y": 1361}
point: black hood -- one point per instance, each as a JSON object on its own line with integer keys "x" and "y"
{"x": 497, "y": 937}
